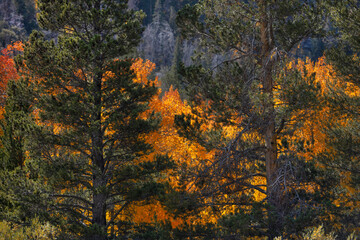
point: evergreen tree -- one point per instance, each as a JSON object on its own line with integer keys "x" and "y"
{"x": 9, "y": 34}
{"x": 88, "y": 143}
{"x": 14, "y": 125}
{"x": 172, "y": 76}
{"x": 342, "y": 132}
{"x": 157, "y": 16}
{"x": 17, "y": 20}
{"x": 10, "y": 24}
{"x": 26, "y": 8}
{"x": 251, "y": 92}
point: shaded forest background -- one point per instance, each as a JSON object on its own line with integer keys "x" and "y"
{"x": 161, "y": 42}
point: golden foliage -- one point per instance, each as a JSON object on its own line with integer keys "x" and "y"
{"x": 166, "y": 141}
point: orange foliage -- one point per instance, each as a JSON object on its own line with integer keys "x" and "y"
{"x": 7, "y": 70}
{"x": 311, "y": 131}
{"x": 142, "y": 70}
{"x": 166, "y": 141}
{"x": 7, "y": 67}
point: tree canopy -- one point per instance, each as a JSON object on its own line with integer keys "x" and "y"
{"x": 248, "y": 140}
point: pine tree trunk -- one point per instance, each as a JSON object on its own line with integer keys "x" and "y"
{"x": 99, "y": 209}
{"x": 269, "y": 131}
{"x": 99, "y": 181}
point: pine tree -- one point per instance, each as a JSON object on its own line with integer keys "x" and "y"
{"x": 251, "y": 92}
{"x": 172, "y": 76}
{"x": 342, "y": 159}
{"x": 91, "y": 120}
{"x": 16, "y": 123}
{"x": 157, "y": 16}
{"x": 26, "y": 8}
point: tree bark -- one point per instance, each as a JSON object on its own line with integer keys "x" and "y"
{"x": 269, "y": 109}
{"x": 99, "y": 181}
{"x": 270, "y": 135}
